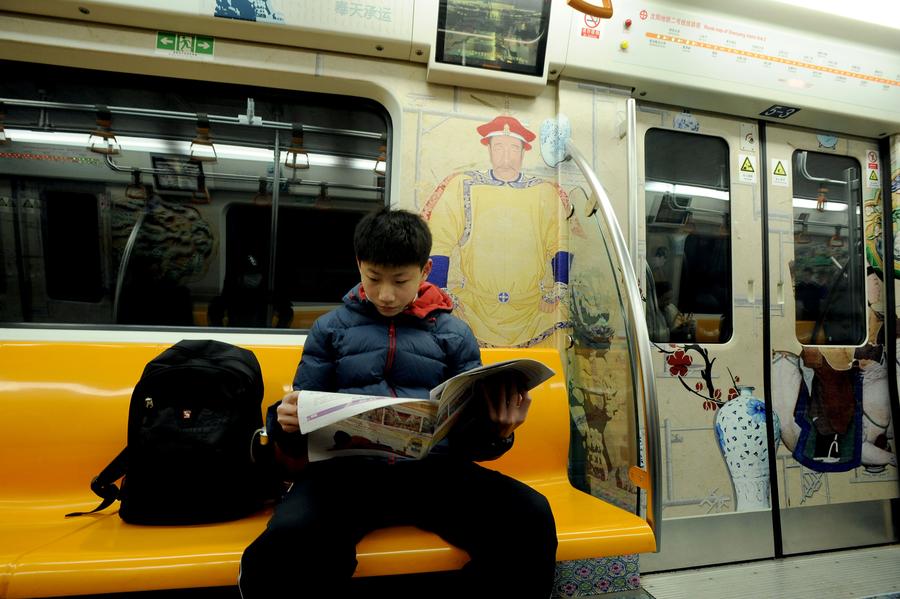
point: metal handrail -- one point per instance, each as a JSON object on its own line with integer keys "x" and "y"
{"x": 801, "y": 166}
{"x": 189, "y": 116}
{"x": 637, "y": 329}
{"x": 238, "y": 177}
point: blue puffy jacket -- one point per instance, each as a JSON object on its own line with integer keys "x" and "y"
{"x": 354, "y": 349}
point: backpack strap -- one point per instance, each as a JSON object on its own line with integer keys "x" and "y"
{"x": 104, "y": 484}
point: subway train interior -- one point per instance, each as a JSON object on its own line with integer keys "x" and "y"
{"x": 683, "y": 207}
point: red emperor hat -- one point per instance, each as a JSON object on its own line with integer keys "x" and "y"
{"x": 506, "y": 125}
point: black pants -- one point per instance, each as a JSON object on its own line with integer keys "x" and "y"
{"x": 309, "y": 546}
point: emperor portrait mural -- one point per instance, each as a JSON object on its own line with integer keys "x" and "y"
{"x": 499, "y": 247}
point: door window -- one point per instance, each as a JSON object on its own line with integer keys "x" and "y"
{"x": 829, "y": 286}
{"x": 686, "y": 191}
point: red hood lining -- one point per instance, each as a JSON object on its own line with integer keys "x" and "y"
{"x": 429, "y": 299}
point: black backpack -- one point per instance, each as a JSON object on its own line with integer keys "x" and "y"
{"x": 192, "y": 423}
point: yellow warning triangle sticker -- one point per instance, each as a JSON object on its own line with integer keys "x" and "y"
{"x": 873, "y": 176}
{"x": 779, "y": 169}
{"x": 747, "y": 166}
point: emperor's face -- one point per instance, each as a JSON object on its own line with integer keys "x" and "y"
{"x": 507, "y": 153}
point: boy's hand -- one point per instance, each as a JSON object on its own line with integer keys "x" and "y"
{"x": 287, "y": 413}
{"x": 507, "y": 403}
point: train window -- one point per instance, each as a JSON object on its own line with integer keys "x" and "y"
{"x": 4, "y": 205}
{"x": 302, "y": 286}
{"x": 71, "y": 246}
{"x": 153, "y": 202}
{"x": 828, "y": 266}
{"x": 687, "y": 200}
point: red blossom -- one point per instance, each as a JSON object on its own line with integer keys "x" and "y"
{"x": 732, "y": 393}
{"x": 699, "y": 386}
{"x": 678, "y": 363}
{"x": 737, "y": 379}
{"x": 709, "y": 405}
{"x": 718, "y": 394}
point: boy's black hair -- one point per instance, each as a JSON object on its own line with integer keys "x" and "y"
{"x": 392, "y": 238}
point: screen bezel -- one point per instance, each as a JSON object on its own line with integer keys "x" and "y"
{"x": 536, "y": 70}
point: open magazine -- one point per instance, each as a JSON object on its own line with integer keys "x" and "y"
{"x": 343, "y": 424}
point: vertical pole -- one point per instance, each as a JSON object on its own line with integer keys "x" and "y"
{"x": 634, "y": 210}
{"x": 890, "y": 299}
{"x": 273, "y": 237}
{"x": 767, "y": 342}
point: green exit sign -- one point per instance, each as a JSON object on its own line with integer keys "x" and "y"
{"x": 185, "y": 43}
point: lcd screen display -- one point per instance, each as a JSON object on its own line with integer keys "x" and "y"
{"x": 502, "y": 36}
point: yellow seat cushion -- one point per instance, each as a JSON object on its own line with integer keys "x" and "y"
{"x": 63, "y": 412}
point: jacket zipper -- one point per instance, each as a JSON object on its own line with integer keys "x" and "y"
{"x": 392, "y": 348}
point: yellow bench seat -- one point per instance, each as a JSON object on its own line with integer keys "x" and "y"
{"x": 81, "y": 401}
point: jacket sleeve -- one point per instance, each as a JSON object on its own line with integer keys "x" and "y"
{"x": 316, "y": 372}
{"x": 473, "y": 437}
{"x": 463, "y": 353}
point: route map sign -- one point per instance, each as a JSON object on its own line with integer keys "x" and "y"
{"x": 666, "y": 39}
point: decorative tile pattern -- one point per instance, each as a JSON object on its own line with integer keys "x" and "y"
{"x": 591, "y": 577}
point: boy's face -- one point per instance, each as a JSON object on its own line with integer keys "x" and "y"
{"x": 392, "y": 288}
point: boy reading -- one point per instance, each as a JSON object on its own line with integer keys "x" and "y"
{"x": 395, "y": 335}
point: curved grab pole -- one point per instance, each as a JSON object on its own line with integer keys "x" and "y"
{"x": 590, "y": 8}
{"x": 637, "y": 328}
{"x": 123, "y": 264}
{"x": 801, "y": 164}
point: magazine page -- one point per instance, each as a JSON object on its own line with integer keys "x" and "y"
{"x": 403, "y": 430}
{"x": 455, "y": 391}
{"x": 449, "y": 411}
{"x": 317, "y": 409}
{"x": 344, "y": 424}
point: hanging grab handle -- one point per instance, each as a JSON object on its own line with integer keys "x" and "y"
{"x": 202, "y": 148}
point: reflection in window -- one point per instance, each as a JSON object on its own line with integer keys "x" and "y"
{"x": 71, "y": 246}
{"x": 2, "y": 263}
{"x": 168, "y": 247}
{"x": 307, "y": 279}
{"x": 829, "y": 290}
{"x": 688, "y": 237}
{"x": 149, "y": 236}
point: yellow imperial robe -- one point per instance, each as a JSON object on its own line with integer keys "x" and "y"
{"x": 495, "y": 243}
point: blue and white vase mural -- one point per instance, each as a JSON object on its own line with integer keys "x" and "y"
{"x": 741, "y": 431}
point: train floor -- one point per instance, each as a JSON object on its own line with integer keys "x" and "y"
{"x": 870, "y": 573}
